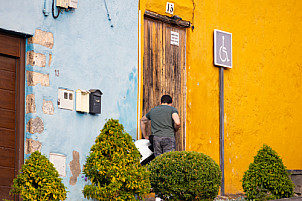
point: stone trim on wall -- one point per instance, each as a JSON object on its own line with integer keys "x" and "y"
{"x": 42, "y": 38}
{"x": 30, "y": 104}
{"x": 33, "y": 58}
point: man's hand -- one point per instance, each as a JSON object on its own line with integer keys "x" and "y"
{"x": 144, "y": 120}
{"x": 176, "y": 120}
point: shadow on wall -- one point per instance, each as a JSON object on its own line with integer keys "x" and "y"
{"x": 127, "y": 105}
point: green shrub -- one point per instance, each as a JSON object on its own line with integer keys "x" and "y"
{"x": 113, "y": 166}
{"x": 39, "y": 180}
{"x": 184, "y": 176}
{"x": 267, "y": 177}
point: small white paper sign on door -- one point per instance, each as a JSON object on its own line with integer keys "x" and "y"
{"x": 174, "y": 38}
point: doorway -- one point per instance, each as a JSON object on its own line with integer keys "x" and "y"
{"x": 164, "y": 67}
{"x": 12, "y": 69}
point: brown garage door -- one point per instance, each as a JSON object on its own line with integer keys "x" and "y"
{"x": 12, "y": 50}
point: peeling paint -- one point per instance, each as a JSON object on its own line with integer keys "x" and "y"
{"x": 128, "y": 101}
{"x": 75, "y": 168}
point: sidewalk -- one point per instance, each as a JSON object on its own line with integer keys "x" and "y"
{"x": 151, "y": 197}
{"x": 288, "y": 199}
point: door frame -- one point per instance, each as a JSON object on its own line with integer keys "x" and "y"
{"x": 20, "y": 107}
{"x": 169, "y": 20}
{"x": 17, "y": 52}
{"x": 176, "y": 21}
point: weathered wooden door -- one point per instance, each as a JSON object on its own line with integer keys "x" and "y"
{"x": 164, "y": 69}
{"x": 11, "y": 110}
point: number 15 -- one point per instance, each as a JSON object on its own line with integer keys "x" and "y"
{"x": 170, "y": 8}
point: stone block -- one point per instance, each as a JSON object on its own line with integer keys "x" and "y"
{"x": 75, "y": 168}
{"x": 35, "y": 126}
{"x": 32, "y": 146}
{"x": 47, "y": 107}
{"x": 34, "y": 78}
{"x": 30, "y": 104}
{"x": 296, "y": 177}
{"x": 35, "y": 59}
{"x": 42, "y": 38}
{"x": 50, "y": 60}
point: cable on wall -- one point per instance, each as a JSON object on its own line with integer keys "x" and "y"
{"x": 108, "y": 15}
{"x": 53, "y": 10}
{"x": 192, "y": 27}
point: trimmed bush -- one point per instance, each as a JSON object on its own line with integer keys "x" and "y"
{"x": 267, "y": 177}
{"x": 113, "y": 166}
{"x": 38, "y": 180}
{"x": 184, "y": 175}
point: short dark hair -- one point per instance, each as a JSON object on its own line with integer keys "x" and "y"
{"x": 166, "y": 99}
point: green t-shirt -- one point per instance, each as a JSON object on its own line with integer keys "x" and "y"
{"x": 162, "y": 123}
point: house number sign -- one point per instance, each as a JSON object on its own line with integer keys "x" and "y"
{"x": 170, "y": 8}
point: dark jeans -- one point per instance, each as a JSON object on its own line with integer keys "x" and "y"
{"x": 163, "y": 144}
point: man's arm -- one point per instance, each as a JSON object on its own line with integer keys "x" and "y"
{"x": 144, "y": 120}
{"x": 176, "y": 120}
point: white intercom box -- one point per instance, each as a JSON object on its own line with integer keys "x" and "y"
{"x": 82, "y": 100}
{"x": 65, "y": 99}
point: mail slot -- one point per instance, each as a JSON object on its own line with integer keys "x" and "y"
{"x": 95, "y": 101}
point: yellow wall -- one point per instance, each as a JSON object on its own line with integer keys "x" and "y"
{"x": 263, "y": 90}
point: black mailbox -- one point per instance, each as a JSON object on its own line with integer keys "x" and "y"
{"x": 95, "y": 101}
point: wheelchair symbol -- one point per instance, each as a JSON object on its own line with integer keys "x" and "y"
{"x": 223, "y": 54}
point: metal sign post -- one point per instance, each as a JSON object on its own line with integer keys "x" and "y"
{"x": 221, "y": 126}
{"x": 222, "y": 58}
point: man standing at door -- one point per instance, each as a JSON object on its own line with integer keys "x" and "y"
{"x": 164, "y": 123}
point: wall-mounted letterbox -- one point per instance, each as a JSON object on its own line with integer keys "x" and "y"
{"x": 65, "y": 99}
{"x": 82, "y": 100}
{"x": 95, "y": 101}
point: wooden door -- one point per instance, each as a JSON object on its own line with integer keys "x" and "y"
{"x": 164, "y": 70}
{"x": 11, "y": 110}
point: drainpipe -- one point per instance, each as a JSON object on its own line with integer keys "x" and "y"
{"x": 45, "y": 9}
{"x": 221, "y": 126}
{"x": 139, "y": 75}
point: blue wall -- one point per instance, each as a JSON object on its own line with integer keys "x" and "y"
{"x": 90, "y": 52}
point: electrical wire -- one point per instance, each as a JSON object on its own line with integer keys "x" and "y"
{"x": 53, "y": 10}
{"x": 109, "y": 19}
{"x": 192, "y": 27}
{"x": 107, "y": 11}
